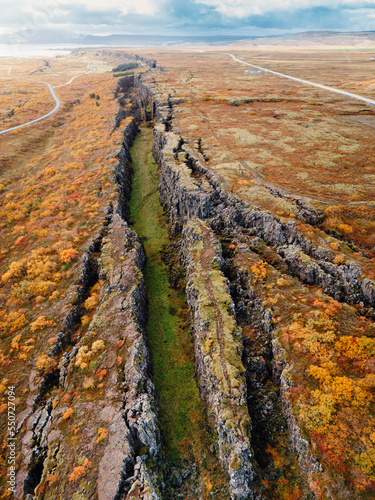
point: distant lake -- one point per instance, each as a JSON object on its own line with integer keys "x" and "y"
{"x": 25, "y": 50}
{"x": 35, "y": 50}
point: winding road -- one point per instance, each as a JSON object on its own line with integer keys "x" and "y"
{"x": 53, "y": 93}
{"x": 312, "y": 84}
{"x": 58, "y": 102}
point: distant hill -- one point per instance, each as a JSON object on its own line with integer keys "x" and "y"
{"x": 56, "y": 37}
{"x": 39, "y": 37}
{"x": 313, "y": 38}
{"x": 318, "y": 38}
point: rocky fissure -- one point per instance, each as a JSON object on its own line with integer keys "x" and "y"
{"x": 267, "y": 397}
{"x": 101, "y": 384}
{"x": 218, "y": 348}
{"x": 192, "y": 195}
{"x": 186, "y": 196}
{"x": 125, "y": 406}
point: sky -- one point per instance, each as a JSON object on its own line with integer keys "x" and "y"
{"x": 187, "y": 17}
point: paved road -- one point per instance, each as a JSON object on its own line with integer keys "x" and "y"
{"x": 92, "y": 68}
{"x": 53, "y": 93}
{"x": 324, "y": 87}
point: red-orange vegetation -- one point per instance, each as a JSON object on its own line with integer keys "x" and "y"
{"x": 80, "y": 470}
{"x": 55, "y": 188}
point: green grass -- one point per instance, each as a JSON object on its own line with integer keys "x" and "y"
{"x": 169, "y": 338}
{"x": 103, "y": 67}
{"x": 127, "y": 73}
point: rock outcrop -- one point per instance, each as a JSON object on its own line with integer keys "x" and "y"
{"x": 92, "y": 415}
{"x": 218, "y": 350}
{"x": 190, "y": 191}
{"x": 123, "y": 170}
{"x": 100, "y": 428}
{"x": 186, "y": 195}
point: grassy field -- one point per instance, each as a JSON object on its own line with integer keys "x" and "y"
{"x": 186, "y": 435}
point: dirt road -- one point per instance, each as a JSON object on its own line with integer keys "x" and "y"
{"x": 324, "y": 87}
{"x": 53, "y": 93}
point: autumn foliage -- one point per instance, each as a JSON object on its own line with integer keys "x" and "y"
{"x": 335, "y": 403}
{"x": 55, "y": 189}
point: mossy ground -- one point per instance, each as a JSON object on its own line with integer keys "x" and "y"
{"x": 183, "y": 420}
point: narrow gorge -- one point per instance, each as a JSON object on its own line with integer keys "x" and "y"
{"x": 212, "y": 321}
{"x": 191, "y": 467}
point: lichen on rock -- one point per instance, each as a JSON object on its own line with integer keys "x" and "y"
{"x": 218, "y": 350}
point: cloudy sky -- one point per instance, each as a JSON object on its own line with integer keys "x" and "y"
{"x": 187, "y": 17}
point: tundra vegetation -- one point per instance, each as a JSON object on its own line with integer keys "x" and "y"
{"x": 281, "y": 320}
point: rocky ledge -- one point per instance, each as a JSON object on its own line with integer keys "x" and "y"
{"x": 218, "y": 350}
{"x": 188, "y": 188}
{"x": 99, "y": 431}
{"x": 199, "y": 207}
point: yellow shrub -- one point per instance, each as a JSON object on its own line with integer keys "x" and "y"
{"x": 339, "y": 259}
{"x": 355, "y": 347}
{"x": 67, "y": 256}
{"x": 91, "y": 302}
{"x": 40, "y": 323}
{"x": 68, "y": 413}
{"x": 260, "y": 271}
{"x": 15, "y": 271}
{"x": 88, "y": 383}
{"x": 366, "y": 462}
{"x": 319, "y": 373}
{"x": 345, "y": 228}
{"x": 315, "y": 332}
{"x": 80, "y": 470}
{"x": 346, "y": 392}
{"x": 45, "y": 364}
{"x": 12, "y": 322}
{"x": 84, "y": 354}
{"x": 318, "y": 416}
{"x": 98, "y": 345}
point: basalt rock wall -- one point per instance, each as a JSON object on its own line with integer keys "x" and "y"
{"x": 94, "y": 424}
{"x": 186, "y": 196}
{"x": 189, "y": 191}
{"x": 218, "y": 349}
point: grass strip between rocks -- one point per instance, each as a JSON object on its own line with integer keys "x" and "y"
{"x": 169, "y": 338}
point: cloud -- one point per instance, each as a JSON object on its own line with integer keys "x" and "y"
{"x": 190, "y": 16}
{"x": 314, "y": 18}
{"x": 274, "y": 14}
{"x": 245, "y": 8}
{"x": 147, "y": 7}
